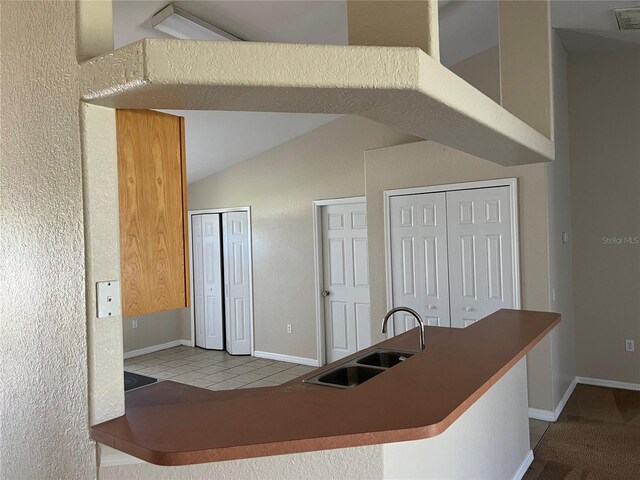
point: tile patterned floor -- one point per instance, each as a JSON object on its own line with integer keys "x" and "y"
{"x": 213, "y": 369}
{"x": 537, "y": 428}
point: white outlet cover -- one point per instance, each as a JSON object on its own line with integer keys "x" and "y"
{"x": 108, "y": 299}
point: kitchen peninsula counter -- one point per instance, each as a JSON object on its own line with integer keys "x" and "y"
{"x": 169, "y": 423}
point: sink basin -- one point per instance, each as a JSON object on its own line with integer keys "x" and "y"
{"x": 356, "y": 371}
{"x": 384, "y": 358}
{"x": 349, "y": 376}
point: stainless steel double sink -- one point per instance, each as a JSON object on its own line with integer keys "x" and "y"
{"x": 354, "y": 372}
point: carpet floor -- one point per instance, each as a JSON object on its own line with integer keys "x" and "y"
{"x": 597, "y": 437}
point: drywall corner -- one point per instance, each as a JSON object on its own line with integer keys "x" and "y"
{"x": 100, "y": 182}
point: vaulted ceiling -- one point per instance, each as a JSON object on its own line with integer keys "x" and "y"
{"x": 217, "y": 140}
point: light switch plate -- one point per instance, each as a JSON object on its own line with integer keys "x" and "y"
{"x": 108, "y": 298}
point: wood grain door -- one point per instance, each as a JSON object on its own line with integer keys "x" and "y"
{"x": 152, "y": 196}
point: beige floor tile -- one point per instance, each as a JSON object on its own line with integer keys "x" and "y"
{"x": 198, "y": 382}
{"x": 242, "y": 369}
{"x": 281, "y": 377}
{"x": 299, "y": 370}
{"x": 249, "y": 377}
{"x": 226, "y": 385}
{"x": 214, "y": 369}
{"x": 261, "y": 363}
{"x": 153, "y": 370}
{"x": 211, "y": 369}
{"x": 270, "y": 370}
{"x": 220, "y": 377}
{"x": 176, "y": 363}
{"x": 164, "y": 375}
{"x": 204, "y": 363}
{"x": 183, "y": 369}
{"x": 192, "y": 375}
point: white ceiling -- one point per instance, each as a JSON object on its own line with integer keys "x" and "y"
{"x": 217, "y": 140}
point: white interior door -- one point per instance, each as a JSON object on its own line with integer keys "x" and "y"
{"x": 480, "y": 253}
{"x": 207, "y": 281}
{"x": 419, "y": 259}
{"x": 238, "y": 307}
{"x": 346, "y": 279}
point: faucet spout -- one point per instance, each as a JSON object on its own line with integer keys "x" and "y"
{"x": 411, "y": 312}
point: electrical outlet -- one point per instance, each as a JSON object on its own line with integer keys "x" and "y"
{"x": 629, "y": 345}
{"x": 134, "y": 323}
{"x": 289, "y": 328}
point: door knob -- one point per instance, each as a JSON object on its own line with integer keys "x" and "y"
{"x": 325, "y": 293}
{"x": 468, "y": 309}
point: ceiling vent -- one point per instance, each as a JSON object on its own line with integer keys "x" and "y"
{"x": 628, "y": 18}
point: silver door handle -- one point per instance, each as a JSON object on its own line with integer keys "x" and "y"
{"x": 431, "y": 307}
{"x": 468, "y": 309}
{"x": 326, "y": 293}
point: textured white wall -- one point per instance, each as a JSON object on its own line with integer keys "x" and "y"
{"x": 102, "y": 236}
{"x": 43, "y": 337}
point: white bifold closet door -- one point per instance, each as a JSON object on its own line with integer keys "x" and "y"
{"x": 207, "y": 281}
{"x": 451, "y": 255}
{"x": 419, "y": 259}
{"x": 221, "y": 281}
{"x": 235, "y": 233}
{"x": 480, "y": 253}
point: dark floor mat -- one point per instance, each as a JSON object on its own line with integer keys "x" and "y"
{"x": 133, "y": 380}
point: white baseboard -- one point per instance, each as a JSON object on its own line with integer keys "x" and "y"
{"x": 187, "y": 343}
{"x": 598, "y": 382}
{"x": 552, "y": 416}
{"x": 152, "y": 348}
{"x": 524, "y": 466}
{"x": 312, "y": 362}
{"x": 544, "y": 415}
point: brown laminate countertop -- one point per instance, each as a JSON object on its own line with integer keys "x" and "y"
{"x": 169, "y": 423}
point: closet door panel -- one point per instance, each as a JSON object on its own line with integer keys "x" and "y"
{"x": 419, "y": 258}
{"x": 480, "y": 253}
{"x": 237, "y": 282}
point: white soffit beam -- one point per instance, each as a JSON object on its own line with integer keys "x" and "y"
{"x": 400, "y": 87}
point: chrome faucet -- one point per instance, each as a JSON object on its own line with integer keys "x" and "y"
{"x": 410, "y": 311}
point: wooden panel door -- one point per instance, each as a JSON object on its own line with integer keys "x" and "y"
{"x": 480, "y": 253}
{"x": 419, "y": 259}
{"x": 153, "y": 211}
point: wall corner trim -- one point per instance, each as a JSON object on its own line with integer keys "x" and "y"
{"x": 552, "y": 416}
{"x": 524, "y": 466}
{"x": 312, "y": 362}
